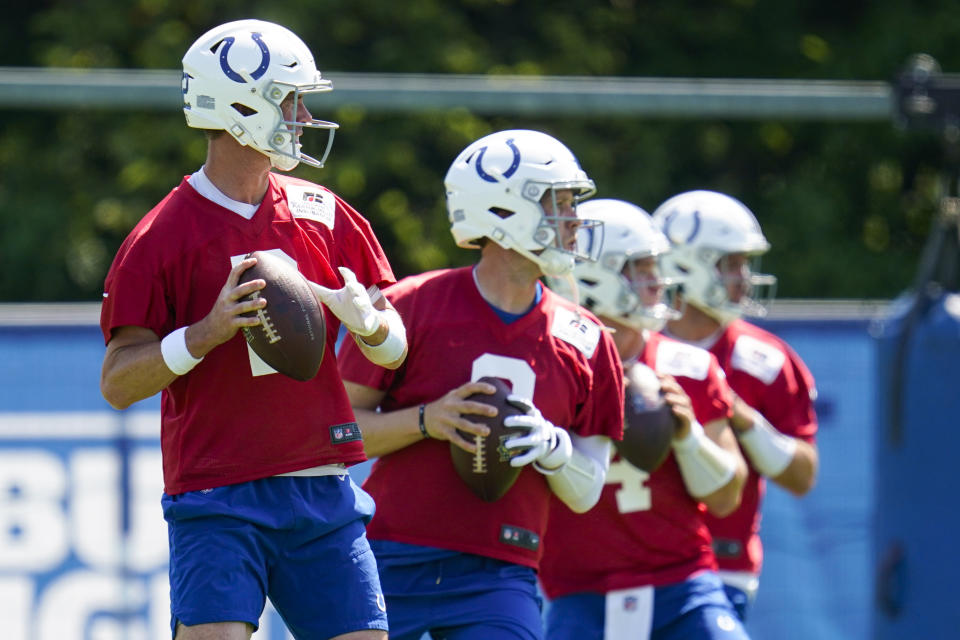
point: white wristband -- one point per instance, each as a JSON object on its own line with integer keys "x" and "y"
{"x": 392, "y": 347}
{"x": 704, "y": 465}
{"x": 770, "y": 451}
{"x": 175, "y": 353}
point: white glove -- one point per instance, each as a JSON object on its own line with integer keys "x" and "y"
{"x": 351, "y": 304}
{"x": 549, "y": 446}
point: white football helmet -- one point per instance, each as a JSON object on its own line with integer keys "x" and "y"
{"x": 494, "y": 188}
{"x": 609, "y": 287}
{"x": 705, "y": 227}
{"x": 235, "y": 78}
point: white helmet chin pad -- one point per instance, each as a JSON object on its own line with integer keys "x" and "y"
{"x": 237, "y": 76}
{"x": 494, "y": 190}
{"x": 705, "y": 227}
{"x": 608, "y": 287}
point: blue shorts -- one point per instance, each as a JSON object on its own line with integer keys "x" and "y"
{"x": 696, "y": 608}
{"x": 462, "y": 597}
{"x": 739, "y": 599}
{"x": 301, "y": 541}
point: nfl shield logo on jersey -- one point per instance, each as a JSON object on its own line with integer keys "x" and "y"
{"x": 347, "y": 432}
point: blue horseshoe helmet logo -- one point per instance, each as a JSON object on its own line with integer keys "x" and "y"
{"x": 693, "y": 232}
{"x": 510, "y": 170}
{"x": 258, "y": 72}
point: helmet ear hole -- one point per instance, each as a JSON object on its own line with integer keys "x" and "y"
{"x": 243, "y": 109}
{"x": 590, "y": 303}
{"x": 501, "y": 213}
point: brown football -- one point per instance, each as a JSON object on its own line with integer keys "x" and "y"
{"x": 292, "y": 333}
{"x": 649, "y": 423}
{"x": 488, "y": 472}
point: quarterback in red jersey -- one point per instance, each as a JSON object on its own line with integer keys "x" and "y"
{"x": 256, "y": 494}
{"x": 640, "y": 564}
{"x": 714, "y": 238}
{"x": 451, "y": 564}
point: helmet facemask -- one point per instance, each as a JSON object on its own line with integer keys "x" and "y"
{"x": 652, "y": 300}
{"x": 745, "y": 290}
{"x": 629, "y": 288}
{"x": 565, "y": 239}
{"x": 626, "y": 282}
{"x": 725, "y": 286}
{"x": 285, "y": 148}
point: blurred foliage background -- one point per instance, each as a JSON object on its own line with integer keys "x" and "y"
{"x": 847, "y": 206}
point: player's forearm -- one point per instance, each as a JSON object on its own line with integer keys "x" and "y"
{"x": 385, "y": 433}
{"x": 790, "y": 462}
{"x": 712, "y": 467}
{"x": 579, "y": 482}
{"x": 801, "y": 474}
{"x": 387, "y": 346}
{"x": 138, "y": 365}
{"x": 725, "y": 500}
{"x": 132, "y": 373}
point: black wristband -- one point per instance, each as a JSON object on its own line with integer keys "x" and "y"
{"x": 423, "y": 427}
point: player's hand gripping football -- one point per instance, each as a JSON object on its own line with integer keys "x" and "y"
{"x": 226, "y": 315}
{"x": 544, "y": 444}
{"x": 448, "y": 418}
{"x": 679, "y": 403}
{"x": 351, "y": 304}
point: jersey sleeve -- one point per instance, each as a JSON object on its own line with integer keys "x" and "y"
{"x": 697, "y": 371}
{"x": 359, "y": 249}
{"x": 710, "y": 397}
{"x": 769, "y": 375}
{"x": 133, "y": 295}
{"x": 795, "y": 392}
{"x": 602, "y": 413}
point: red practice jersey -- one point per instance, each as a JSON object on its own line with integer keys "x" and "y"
{"x": 233, "y": 418}
{"x": 554, "y": 354}
{"x": 646, "y": 529}
{"x": 770, "y": 377}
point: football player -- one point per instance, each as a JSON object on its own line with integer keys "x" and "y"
{"x": 256, "y": 495}
{"x": 639, "y": 565}
{"x": 715, "y": 238}
{"x": 451, "y": 564}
